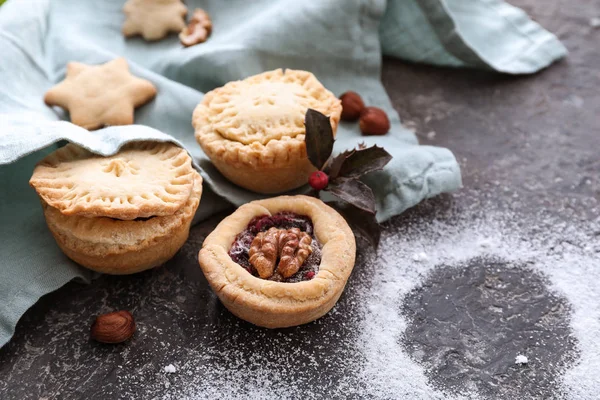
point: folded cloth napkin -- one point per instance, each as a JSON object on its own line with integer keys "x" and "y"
{"x": 340, "y": 41}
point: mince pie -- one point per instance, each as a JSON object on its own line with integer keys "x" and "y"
{"x": 253, "y": 129}
{"x": 123, "y": 213}
{"x": 279, "y": 262}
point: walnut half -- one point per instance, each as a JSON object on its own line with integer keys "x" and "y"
{"x": 291, "y": 246}
{"x": 198, "y": 30}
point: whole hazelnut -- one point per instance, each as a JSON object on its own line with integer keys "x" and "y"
{"x": 115, "y": 327}
{"x": 374, "y": 121}
{"x": 352, "y": 105}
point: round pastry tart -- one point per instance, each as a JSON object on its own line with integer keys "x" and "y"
{"x": 279, "y": 262}
{"x": 253, "y": 130}
{"x": 119, "y": 214}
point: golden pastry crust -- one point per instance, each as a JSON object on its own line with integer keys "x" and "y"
{"x": 153, "y": 19}
{"x": 144, "y": 179}
{"x": 123, "y": 247}
{"x": 253, "y": 130}
{"x": 278, "y": 304}
{"x": 99, "y": 95}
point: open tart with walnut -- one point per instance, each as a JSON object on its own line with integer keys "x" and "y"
{"x": 123, "y": 213}
{"x": 279, "y": 262}
{"x": 253, "y": 130}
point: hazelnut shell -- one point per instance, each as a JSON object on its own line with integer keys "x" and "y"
{"x": 374, "y": 121}
{"x": 352, "y": 106}
{"x": 115, "y": 327}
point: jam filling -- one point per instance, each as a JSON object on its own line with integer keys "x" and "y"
{"x": 239, "y": 251}
{"x": 143, "y": 219}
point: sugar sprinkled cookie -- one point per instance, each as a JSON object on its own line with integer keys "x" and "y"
{"x": 99, "y": 95}
{"x": 153, "y": 19}
{"x": 144, "y": 179}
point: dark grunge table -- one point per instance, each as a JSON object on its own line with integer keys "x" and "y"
{"x": 529, "y": 148}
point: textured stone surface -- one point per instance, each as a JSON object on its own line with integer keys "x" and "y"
{"x": 468, "y": 323}
{"x": 526, "y": 144}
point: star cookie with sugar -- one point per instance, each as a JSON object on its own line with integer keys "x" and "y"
{"x": 99, "y": 95}
{"x": 153, "y": 19}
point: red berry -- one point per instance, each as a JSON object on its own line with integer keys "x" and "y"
{"x": 309, "y": 275}
{"x": 318, "y": 180}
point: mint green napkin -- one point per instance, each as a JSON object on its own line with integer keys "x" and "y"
{"x": 340, "y": 41}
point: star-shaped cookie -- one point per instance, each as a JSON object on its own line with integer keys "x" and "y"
{"x": 99, "y": 95}
{"x": 153, "y": 19}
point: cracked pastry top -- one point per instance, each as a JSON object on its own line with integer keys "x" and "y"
{"x": 142, "y": 180}
{"x": 253, "y": 129}
{"x": 303, "y": 252}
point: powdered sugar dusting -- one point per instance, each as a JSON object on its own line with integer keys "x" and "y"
{"x": 521, "y": 359}
{"x": 420, "y": 256}
{"x": 567, "y": 253}
{"x": 170, "y": 369}
{"x": 369, "y": 359}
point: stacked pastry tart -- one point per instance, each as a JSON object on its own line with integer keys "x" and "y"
{"x": 123, "y": 213}
{"x": 253, "y": 130}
